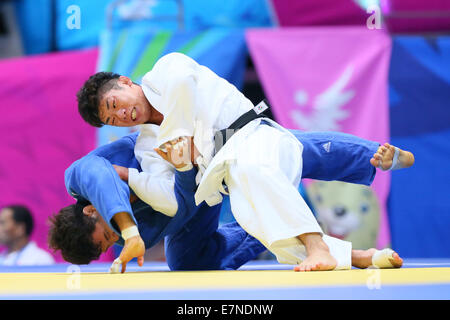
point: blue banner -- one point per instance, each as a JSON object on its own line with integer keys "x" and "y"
{"x": 77, "y": 24}
{"x": 419, "y": 206}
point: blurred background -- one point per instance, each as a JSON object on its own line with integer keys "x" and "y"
{"x": 377, "y": 69}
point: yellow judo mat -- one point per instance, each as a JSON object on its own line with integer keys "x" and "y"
{"x": 89, "y": 283}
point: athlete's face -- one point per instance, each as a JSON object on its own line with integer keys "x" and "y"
{"x": 124, "y": 105}
{"x": 103, "y": 234}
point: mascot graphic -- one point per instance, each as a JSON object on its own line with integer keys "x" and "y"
{"x": 346, "y": 211}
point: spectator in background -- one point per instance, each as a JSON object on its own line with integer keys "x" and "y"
{"x": 16, "y": 226}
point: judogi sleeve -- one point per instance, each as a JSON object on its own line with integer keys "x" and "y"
{"x": 95, "y": 179}
{"x": 185, "y": 187}
{"x": 155, "y": 184}
{"x": 180, "y": 98}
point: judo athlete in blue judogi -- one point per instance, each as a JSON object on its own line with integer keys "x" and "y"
{"x": 193, "y": 238}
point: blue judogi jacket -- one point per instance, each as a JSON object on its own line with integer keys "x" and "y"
{"x": 93, "y": 178}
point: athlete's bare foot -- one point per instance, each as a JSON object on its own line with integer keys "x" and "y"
{"x": 319, "y": 257}
{"x": 385, "y": 154}
{"x": 363, "y": 258}
{"x": 319, "y": 261}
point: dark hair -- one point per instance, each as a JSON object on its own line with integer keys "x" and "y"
{"x": 90, "y": 94}
{"x": 71, "y": 232}
{"x": 22, "y": 214}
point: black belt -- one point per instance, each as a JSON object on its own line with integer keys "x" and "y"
{"x": 222, "y": 136}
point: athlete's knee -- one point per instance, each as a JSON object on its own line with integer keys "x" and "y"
{"x": 191, "y": 262}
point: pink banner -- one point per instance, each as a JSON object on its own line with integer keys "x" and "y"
{"x": 42, "y": 132}
{"x": 328, "y": 79}
{"x": 319, "y": 12}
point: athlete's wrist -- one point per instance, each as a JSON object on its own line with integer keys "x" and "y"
{"x": 130, "y": 232}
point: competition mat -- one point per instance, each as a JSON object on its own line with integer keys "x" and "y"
{"x": 257, "y": 280}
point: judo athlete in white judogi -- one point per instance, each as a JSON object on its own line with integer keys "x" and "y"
{"x": 260, "y": 166}
{"x": 154, "y": 186}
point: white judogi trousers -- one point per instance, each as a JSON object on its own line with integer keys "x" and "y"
{"x": 263, "y": 185}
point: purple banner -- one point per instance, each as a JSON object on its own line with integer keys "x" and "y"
{"x": 416, "y": 15}
{"x": 319, "y": 12}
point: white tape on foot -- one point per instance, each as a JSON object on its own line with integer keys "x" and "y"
{"x": 395, "y": 163}
{"x": 380, "y": 259}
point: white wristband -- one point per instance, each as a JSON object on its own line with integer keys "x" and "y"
{"x": 130, "y": 232}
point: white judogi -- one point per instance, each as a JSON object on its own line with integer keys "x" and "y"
{"x": 261, "y": 164}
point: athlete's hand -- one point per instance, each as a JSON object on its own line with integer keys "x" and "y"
{"x": 134, "y": 247}
{"x": 122, "y": 172}
{"x": 179, "y": 152}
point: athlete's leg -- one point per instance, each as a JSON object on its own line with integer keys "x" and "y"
{"x": 337, "y": 156}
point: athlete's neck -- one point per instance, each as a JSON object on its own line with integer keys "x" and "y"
{"x": 155, "y": 116}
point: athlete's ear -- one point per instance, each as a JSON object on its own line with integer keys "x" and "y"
{"x": 125, "y": 80}
{"x": 89, "y": 210}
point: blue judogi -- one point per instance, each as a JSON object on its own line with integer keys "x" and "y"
{"x": 337, "y": 156}
{"x": 193, "y": 238}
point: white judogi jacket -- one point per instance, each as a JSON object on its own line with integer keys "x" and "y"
{"x": 155, "y": 184}
{"x": 196, "y": 102}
